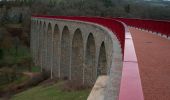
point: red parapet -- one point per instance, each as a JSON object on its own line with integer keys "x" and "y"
{"x": 131, "y": 88}
{"x": 158, "y": 26}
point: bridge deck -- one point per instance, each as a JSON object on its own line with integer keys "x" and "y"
{"x": 153, "y": 53}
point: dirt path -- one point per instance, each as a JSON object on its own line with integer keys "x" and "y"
{"x": 153, "y": 53}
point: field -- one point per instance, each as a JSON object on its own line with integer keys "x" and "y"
{"x": 52, "y": 92}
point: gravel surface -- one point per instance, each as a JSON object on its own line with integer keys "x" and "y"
{"x": 153, "y": 53}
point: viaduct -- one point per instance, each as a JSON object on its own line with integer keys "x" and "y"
{"x": 83, "y": 49}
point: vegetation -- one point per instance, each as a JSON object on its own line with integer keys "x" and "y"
{"x": 52, "y": 92}
{"x": 12, "y": 67}
{"x": 104, "y": 8}
{"x": 15, "y": 57}
{"x": 6, "y": 86}
{"x": 153, "y": 9}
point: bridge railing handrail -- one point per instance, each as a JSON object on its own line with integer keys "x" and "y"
{"x": 158, "y": 26}
{"x": 130, "y": 81}
{"x": 130, "y": 87}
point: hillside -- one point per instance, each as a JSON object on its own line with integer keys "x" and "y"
{"x": 51, "y": 92}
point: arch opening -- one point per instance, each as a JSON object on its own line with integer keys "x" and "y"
{"x": 102, "y": 62}
{"x": 49, "y": 48}
{"x": 77, "y": 57}
{"x": 39, "y": 43}
{"x": 36, "y": 42}
{"x": 43, "y": 47}
{"x": 90, "y": 70}
{"x": 56, "y": 38}
{"x": 65, "y": 54}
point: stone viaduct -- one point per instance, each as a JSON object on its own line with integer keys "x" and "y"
{"x": 83, "y": 48}
{"x": 75, "y": 50}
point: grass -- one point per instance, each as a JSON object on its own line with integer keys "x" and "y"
{"x": 35, "y": 69}
{"x": 51, "y": 92}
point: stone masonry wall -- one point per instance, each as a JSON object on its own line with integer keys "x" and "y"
{"x": 76, "y": 50}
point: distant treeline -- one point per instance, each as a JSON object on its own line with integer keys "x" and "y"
{"x": 109, "y": 8}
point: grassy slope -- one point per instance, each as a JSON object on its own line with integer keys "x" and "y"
{"x": 52, "y": 92}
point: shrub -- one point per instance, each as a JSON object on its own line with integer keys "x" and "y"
{"x": 1, "y": 54}
{"x": 73, "y": 86}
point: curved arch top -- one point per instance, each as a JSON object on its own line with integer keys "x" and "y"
{"x": 56, "y": 54}
{"x": 49, "y": 48}
{"x": 77, "y": 56}
{"x": 65, "y": 53}
{"x": 102, "y": 62}
{"x": 90, "y": 54}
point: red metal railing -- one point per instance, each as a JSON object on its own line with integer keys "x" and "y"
{"x": 158, "y": 26}
{"x": 130, "y": 88}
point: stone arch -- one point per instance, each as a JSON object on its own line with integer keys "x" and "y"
{"x": 36, "y": 42}
{"x": 90, "y": 70}
{"x": 33, "y": 40}
{"x": 102, "y": 61}
{"x": 65, "y": 53}
{"x": 44, "y": 46}
{"x": 49, "y": 48}
{"x": 32, "y": 26}
{"x": 77, "y": 56}
{"x": 39, "y": 42}
{"x": 56, "y": 41}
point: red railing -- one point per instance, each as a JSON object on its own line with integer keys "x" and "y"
{"x": 130, "y": 88}
{"x": 157, "y": 26}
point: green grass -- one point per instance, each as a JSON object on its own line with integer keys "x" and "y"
{"x": 52, "y": 92}
{"x": 35, "y": 69}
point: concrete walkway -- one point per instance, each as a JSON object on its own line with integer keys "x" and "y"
{"x": 153, "y": 53}
{"x": 98, "y": 90}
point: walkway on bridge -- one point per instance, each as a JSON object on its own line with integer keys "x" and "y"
{"x": 153, "y": 53}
